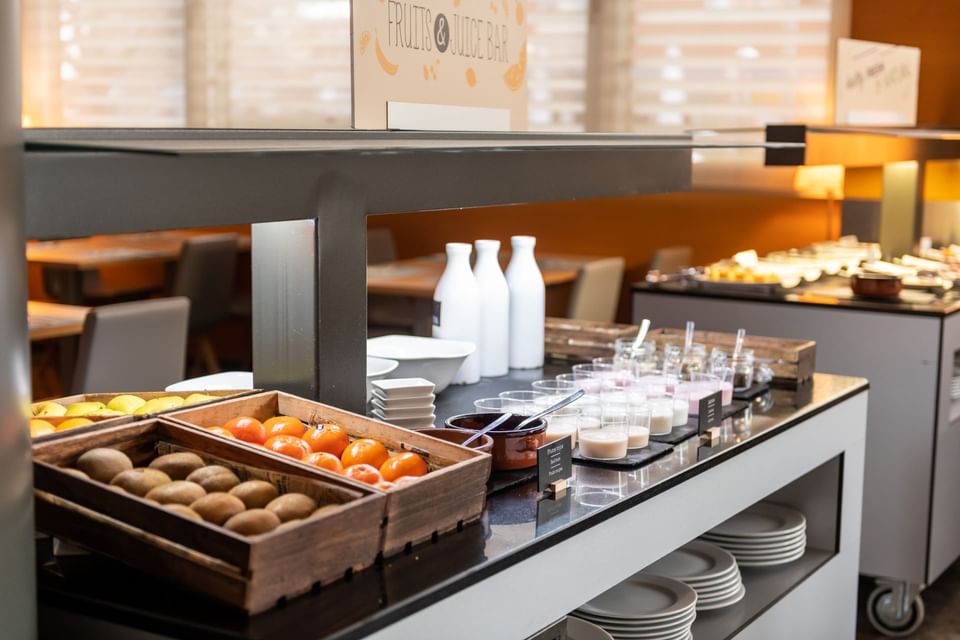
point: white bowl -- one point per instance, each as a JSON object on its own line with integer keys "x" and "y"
{"x": 431, "y": 358}
{"x": 377, "y": 369}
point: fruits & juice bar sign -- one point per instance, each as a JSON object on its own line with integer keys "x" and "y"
{"x": 453, "y": 59}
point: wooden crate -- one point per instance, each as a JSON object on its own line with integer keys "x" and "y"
{"x": 792, "y": 361}
{"x": 583, "y": 340}
{"x": 251, "y": 573}
{"x": 453, "y": 493}
{"x": 104, "y": 421}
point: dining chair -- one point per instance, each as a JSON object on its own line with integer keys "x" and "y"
{"x": 204, "y": 274}
{"x": 671, "y": 259}
{"x": 596, "y": 291}
{"x": 381, "y": 246}
{"x": 133, "y": 346}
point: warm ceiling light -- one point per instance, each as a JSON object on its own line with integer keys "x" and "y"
{"x": 26, "y": 121}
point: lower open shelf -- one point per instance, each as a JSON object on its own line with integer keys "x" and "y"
{"x": 765, "y": 587}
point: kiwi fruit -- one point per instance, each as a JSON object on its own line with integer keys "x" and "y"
{"x": 214, "y": 478}
{"x": 325, "y": 508}
{"x": 140, "y": 481}
{"x": 289, "y": 523}
{"x": 252, "y": 522}
{"x": 292, "y": 506}
{"x": 75, "y": 472}
{"x": 178, "y": 491}
{"x": 256, "y": 494}
{"x": 218, "y": 507}
{"x": 178, "y": 465}
{"x": 183, "y": 510}
{"x": 103, "y": 464}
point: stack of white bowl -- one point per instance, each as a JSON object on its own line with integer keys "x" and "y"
{"x": 709, "y": 570}
{"x": 763, "y": 535}
{"x": 644, "y": 606}
{"x": 404, "y": 402}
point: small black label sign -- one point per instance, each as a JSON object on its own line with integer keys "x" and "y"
{"x": 554, "y": 462}
{"x": 436, "y": 313}
{"x": 711, "y": 412}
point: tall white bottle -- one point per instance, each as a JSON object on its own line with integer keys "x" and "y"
{"x": 527, "y": 305}
{"x": 494, "y": 347}
{"x": 456, "y": 308}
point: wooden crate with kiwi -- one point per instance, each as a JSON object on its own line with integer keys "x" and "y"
{"x": 451, "y": 494}
{"x": 793, "y": 361}
{"x": 583, "y": 340}
{"x": 53, "y": 411}
{"x": 266, "y": 530}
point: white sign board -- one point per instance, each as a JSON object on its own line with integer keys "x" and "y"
{"x": 440, "y": 64}
{"x": 877, "y": 83}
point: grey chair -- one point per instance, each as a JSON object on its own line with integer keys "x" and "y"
{"x": 133, "y": 346}
{"x": 380, "y": 246}
{"x": 596, "y": 292}
{"x": 204, "y": 274}
{"x": 671, "y": 259}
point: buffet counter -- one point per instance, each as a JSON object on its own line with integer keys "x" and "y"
{"x": 909, "y": 348}
{"x": 540, "y": 558}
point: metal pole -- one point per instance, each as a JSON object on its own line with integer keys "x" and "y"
{"x": 17, "y": 580}
{"x": 309, "y": 300}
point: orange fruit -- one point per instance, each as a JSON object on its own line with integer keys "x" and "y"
{"x": 364, "y": 451}
{"x": 40, "y": 427}
{"x": 73, "y": 423}
{"x": 328, "y": 438}
{"x": 403, "y": 464}
{"x": 284, "y": 425}
{"x": 326, "y": 461}
{"x": 405, "y": 480}
{"x": 247, "y": 429}
{"x": 363, "y": 473}
{"x": 385, "y": 486}
{"x": 287, "y": 445}
{"x": 220, "y": 431}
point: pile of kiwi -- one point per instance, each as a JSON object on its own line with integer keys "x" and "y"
{"x": 184, "y": 484}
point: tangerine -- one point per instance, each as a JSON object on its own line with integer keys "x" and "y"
{"x": 326, "y": 461}
{"x": 364, "y": 473}
{"x": 385, "y": 486}
{"x": 220, "y": 431}
{"x": 364, "y": 451}
{"x": 284, "y": 425}
{"x": 287, "y": 445}
{"x": 247, "y": 429}
{"x": 328, "y": 438}
{"x": 403, "y": 464}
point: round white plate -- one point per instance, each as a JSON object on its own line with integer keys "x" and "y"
{"x": 643, "y": 598}
{"x": 681, "y": 634}
{"x": 753, "y": 555}
{"x": 761, "y": 520}
{"x": 772, "y": 563}
{"x": 655, "y": 626}
{"x": 694, "y": 561}
{"x": 715, "y": 582}
{"x": 719, "y": 595}
{"x": 757, "y": 543}
{"x": 578, "y": 629}
{"x": 711, "y": 606}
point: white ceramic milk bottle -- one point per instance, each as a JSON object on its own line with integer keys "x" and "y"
{"x": 456, "y": 308}
{"x": 494, "y": 346}
{"x": 527, "y": 310}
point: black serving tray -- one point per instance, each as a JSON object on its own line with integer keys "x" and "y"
{"x": 633, "y": 460}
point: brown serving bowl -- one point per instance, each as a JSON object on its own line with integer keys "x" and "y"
{"x": 483, "y": 444}
{"x": 875, "y": 285}
{"x": 511, "y": 449}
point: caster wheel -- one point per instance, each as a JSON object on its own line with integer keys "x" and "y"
{"x": 882, "y": 613}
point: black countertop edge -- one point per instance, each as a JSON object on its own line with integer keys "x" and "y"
{"x": 432, "y": 595}
{"x": 469, "y": 578}
{"x": 901, "y": 308}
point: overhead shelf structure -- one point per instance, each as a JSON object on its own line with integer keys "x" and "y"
{"x": 307, "y": 194}
{"x": 902, "y": 153}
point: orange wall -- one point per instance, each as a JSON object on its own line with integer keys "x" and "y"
{"x": 932, "y": 25}
{"x": 715, "y": 225}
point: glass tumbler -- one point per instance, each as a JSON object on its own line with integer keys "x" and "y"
{"x": 743, "y": 370}
{"x": 638, "y": 426}
{"x": 523, "y": 402}
{"x": 603, "y": 437}
{"x": 562, "y": 423}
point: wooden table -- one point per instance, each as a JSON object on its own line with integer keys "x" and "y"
{"x": 403, "y": 290}
{"x": 68, "y": 263}
{"x": 49, "y": 320}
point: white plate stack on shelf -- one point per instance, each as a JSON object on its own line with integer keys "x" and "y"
{"x": 644, "y": 607}
{"x": 404, "y": 402}
{"x": 764, "y": 535}
{"x": 709, "y": 570}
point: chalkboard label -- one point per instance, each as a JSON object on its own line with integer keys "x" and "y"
{"x": 554, "y": 462}
{"x": 436, "y": 313}
{"x": 711, "y": 412}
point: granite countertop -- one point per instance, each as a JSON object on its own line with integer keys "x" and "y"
{"x": 514, "y": 526}
{"x": 828, "y": 292}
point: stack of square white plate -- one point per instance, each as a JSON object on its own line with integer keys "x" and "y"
{"x": 709, "y": 570}
{"x": 763, "y": 535}
{"x": 644, "y": 607}
{"x": 405, "y": 402}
